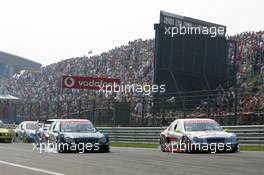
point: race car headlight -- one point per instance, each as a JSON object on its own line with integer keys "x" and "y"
{"x": 69, "y": 140}
{"x": 231, "y": 139}
{"x": 102, "y": 140}
{"x": 198, "y": 140}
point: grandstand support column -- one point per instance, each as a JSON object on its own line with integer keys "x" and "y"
{"x": 235, "y": 82}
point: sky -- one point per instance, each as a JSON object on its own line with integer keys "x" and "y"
{"x": 49, "y": 31}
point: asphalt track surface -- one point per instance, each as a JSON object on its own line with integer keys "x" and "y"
{"x": 20, "y": 159}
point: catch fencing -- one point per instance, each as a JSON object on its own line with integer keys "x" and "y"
{"x": 227, "y": 107}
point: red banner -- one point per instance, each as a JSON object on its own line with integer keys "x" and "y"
{"x": 91, "y": 83}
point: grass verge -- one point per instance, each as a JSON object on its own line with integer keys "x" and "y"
{"x": 252, "y": 148}
{"x": 134, "y": 145}
{"x": 148, "y": 145}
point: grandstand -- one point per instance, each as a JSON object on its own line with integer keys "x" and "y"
{"x": 42, "y": 97}
{"x": 11, "y": 65}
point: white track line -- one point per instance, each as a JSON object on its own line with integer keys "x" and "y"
{"x": 29, "y": 168}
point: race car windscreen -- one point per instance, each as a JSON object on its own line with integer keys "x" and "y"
{"x": 202, "y": 126}
{"x": 2, "y": 124}
{"x": 85, "y": 127}
{"x": 32, "y": 126}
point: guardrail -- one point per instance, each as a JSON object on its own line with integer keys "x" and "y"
{"x": 248, "y": 135}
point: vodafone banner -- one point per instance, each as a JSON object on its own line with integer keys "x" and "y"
{"x": 91, "y": 83}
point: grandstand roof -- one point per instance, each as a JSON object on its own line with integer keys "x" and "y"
{"x": 8, "y": 97}
{"x": 17, "y": 61}
{"x": 192, "y": 21}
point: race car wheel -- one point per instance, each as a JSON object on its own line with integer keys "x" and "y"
{"x": 24, "y": 138}
{"x": 105, "y": 149}
{"x": 60, "y": 147}
{"x": 186, "y": 148}
{"x": 234, "y": 150}
{"x": 43, "y": 139}
{"x": 163, "y": 143}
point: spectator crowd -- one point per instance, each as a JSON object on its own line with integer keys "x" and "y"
{"x": 134, "y": 64}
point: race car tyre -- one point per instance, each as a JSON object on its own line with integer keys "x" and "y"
{"x": 163, "y": 143}
{"x": 186, "y": 148}
{"x": 24, "y": 138}
{"x": 234, "y": 150}
{"x": 105, "y": 149}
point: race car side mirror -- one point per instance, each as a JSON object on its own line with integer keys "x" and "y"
{"x": 178, "y": 130}
{"x": 226, "y": 130}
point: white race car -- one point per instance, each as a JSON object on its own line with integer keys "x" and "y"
{"x": 27, "y": 131}
{"x": 197, "y": 135}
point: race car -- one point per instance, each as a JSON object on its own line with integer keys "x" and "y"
{"x": 77, "y": 135}
{"x": 27, "y": 131}
{"x": 6, "y": 135}
{"x": 42, "y": 133}
{"x": 197, "y": 135}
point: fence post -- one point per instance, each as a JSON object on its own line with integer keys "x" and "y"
{"x": 15, "y": 120}
{"x": 79, "y": 108}
{"x": 39, "y": 112}
{"x": 68, "y": 109}
{"x": 57, "y": 110}
{"x": 30, "y": 111}
{"x": 162, "y": 109}
{"x": 143, "y": 110}
{"x": 236, "y": 102}
{"x": 23, "y": 111}
{"x": 94, "y": 110}
{"x": 208, "y": 105}
{"x": 47, "y": 113}
{"x": 108, "y": 109}
{"x": 183, "y": 106}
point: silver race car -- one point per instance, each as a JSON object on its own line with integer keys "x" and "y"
{"x": 77, "y": 135}
{"x": 27, "y": 131}
{"x": 197, "y": 135}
